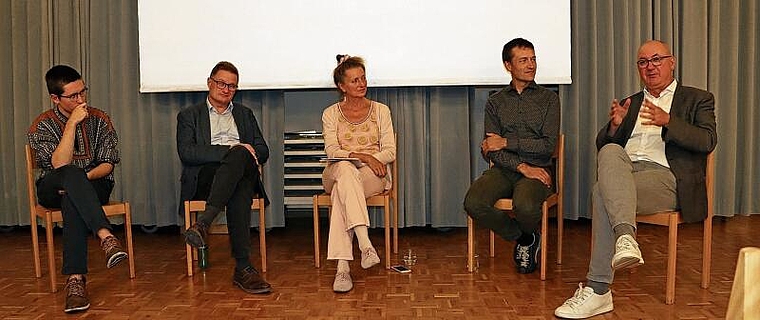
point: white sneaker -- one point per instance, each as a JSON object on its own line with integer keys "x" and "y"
{"x": 627, "y": 253}
{"x": 585, "y": 304}
{"x": 369, "y": 258}
{"x": 343, "y": 282}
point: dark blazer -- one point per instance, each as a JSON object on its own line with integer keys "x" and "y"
{"x": 689, "y": 138}
{"x": 195, "y": 149}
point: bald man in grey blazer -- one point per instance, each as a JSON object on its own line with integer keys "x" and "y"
{"x": 652, "y": 158}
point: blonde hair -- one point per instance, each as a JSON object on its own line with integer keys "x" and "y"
{"x": 345, "y": 62}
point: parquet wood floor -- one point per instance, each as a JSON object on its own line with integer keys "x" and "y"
{"x": 439, "y": 286}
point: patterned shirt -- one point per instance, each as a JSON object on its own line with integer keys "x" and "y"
{"x": 95, "y": 140}
{"x": 528, "y": 120}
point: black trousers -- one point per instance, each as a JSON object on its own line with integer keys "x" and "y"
{"x": 232, "y": 183}
{"x": 80, "y": 201}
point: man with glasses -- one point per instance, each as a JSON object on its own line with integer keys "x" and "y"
{"x": 75, "y": 146}
{"x": 221, "y": 146}
{"x": 652, "y": 158}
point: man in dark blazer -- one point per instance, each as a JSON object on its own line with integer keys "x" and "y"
{"x": 652, "y": 158}
{"x": 221, "y": 146}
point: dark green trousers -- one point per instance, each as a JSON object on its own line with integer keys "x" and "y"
{"x": 496, "y": 183}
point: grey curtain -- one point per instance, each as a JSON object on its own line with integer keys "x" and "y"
{"x": 716, "y": 44}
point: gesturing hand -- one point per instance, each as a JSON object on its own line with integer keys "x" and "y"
{"x": 618, "y": 112}
{"x": 653, "y": 114}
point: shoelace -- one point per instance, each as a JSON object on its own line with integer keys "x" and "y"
{"x": 523, "y": 255}
{"x": 625, "y": 245}
{"x": 109, "y": 243}
{"x": 75, "y": 287}
{"x": 578, "y": 298}
{"x": 249, "y": 271}
{"x": 342, "y": 276}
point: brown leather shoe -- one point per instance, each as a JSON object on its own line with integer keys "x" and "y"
{"x": 76, "y": 295}
{"x": 196, "y": 235}
{"x": 250, "y": 281}
{"x": 113, "y": 250}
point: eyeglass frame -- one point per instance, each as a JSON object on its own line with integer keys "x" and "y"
{"x": 221, "y": 84}
{"x": 76, "y": 95}
{"x": 656, "y": 61}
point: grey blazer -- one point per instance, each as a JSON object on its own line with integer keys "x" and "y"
{"x": 689, "y": 138}
{"x": 195, "y": 149}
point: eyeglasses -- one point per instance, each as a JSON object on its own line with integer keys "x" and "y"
{"x": 656, "y": 61}
{"x": 76, "y": 95}
{"x": 222, "y": 85}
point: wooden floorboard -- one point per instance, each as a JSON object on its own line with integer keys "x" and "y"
{"x": 439, "y": 286}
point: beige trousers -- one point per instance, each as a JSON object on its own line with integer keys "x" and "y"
{"x": 349, "y": 188}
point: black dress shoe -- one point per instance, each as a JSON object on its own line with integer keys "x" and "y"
{"x": 196, "y": 235}
{"x": 250, "y": 281}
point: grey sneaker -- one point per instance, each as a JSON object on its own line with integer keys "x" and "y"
{"x": 369, "y": 258}
{"x": 627, "y": 253}
{"x": 76, "y": 295}
{"x": 585, "y": 304}
{"x": 343, "y": 282}
{"x": 113, "y": 250}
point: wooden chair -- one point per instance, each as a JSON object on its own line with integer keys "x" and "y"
{"x": 555, "y": 199}
{"x": 672, "y": 219}
{"x": 383, "y": 199}
{"x": 192, "y": 207}
{"x": 51, "y": 216}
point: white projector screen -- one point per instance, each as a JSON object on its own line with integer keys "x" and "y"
{"x": 291, "y": 44}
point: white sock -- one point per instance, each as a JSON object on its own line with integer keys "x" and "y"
{"x": 343, "y": 266}
{"x": 362, "y": 236}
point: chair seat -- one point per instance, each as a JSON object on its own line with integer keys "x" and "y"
{"x": 112, "y": 208}
{"x": 195, "y": 206}
{"x": 505, "y": 204}
{"x": 672, "y": 219}
{"x": 387, "y": 199}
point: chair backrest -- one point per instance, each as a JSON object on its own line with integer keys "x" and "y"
{"x": 394, "y": 179}
{"x": 31, "y": 164}
{"x": 559, "y": 158}
{"x": 710, "y": 180}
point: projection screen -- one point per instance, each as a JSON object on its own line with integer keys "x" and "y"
{"x": 291, "y": 44}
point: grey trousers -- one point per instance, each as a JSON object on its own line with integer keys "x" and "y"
{"x": 623, "y": 190}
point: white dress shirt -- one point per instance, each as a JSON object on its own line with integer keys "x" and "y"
{"x": 645, "y": 143}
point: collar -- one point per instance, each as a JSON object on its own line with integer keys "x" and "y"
{"x": 670, "y": 89}
{"x": 211, "y": 108}
{"x": 532, "y": 85}
{"x": 62, "y": 117}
